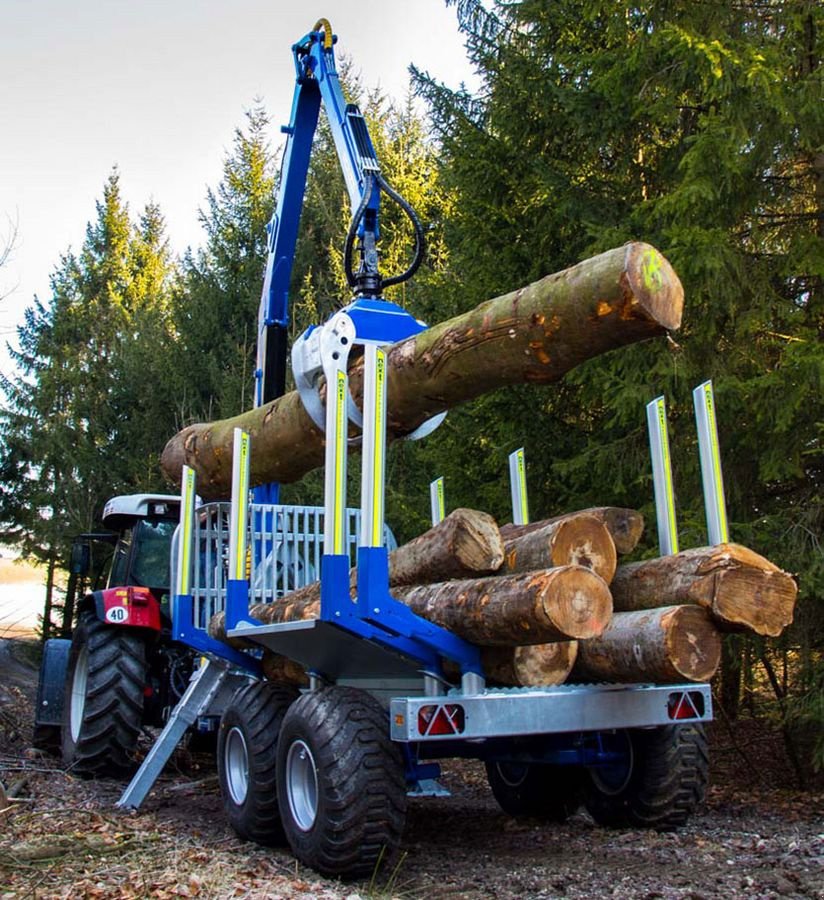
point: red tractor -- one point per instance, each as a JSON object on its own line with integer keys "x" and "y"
{"x": 121, "y": 670}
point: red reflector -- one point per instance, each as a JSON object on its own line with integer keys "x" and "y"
{"x": 446, "y": 719}
{"x": 148, "y": 691}
{"x": 685, "y": 705}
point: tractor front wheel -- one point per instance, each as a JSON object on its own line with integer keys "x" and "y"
{"x": 103, "y": 704}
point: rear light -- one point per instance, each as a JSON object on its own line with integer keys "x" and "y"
{"x": 685, "y": 705}
{"x": 448, "y": 718}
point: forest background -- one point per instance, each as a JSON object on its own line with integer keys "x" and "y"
{"x": 695, "y": 126}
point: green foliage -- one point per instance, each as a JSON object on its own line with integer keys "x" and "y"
{"x": 87, "y": 413}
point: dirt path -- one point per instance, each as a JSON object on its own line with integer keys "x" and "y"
{"x": 64, "y": 838}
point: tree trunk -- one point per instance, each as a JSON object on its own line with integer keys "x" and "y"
{"x": 532, "y": 335}
{"x": 624, "y": 525}
{"x": 741, "y": 590}
{"x": 467, "y": 542}
{"x": 574, "y": 540}
{"x": 47, "y": 603}
{"x": 511, "y": 610}
{"x": 667, "y": 645}
{"x": 507, "y": 610}
{"x": 538, "y": 665}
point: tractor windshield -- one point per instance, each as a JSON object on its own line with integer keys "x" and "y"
{"x": 150, "y": 553}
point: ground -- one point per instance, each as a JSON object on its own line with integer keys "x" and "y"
{"x": 62, "y": 837}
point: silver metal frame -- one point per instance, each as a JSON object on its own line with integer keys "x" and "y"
{"x": 517, "y": 486}
{"x": 662, "y": 477}
{"x": 437, "y": 502}
{"x": 712, "y": 478}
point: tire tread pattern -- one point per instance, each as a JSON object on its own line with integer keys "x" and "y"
{"x": 113, "y": 711}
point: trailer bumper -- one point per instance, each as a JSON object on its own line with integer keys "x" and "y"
{"x": 554, "y": 710}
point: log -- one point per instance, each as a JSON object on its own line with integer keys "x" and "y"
{"x": 739, "y": 588}
{"x": 573, "y": 540}
{"x": 537, "y": 665}
{"x": 507, "y": 610}
{"x": 512, "y": 610}
{"x": 465, "y": 543}
{"x": 284, "y": 670}
{"x": 624, "y": 525}
{"x": 533, "y": 335}
{"x": 664, "y": 646}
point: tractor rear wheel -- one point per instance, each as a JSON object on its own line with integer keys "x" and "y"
{"x": 247, "y": 746}
{"x": 534, "y": 789}
{"x": 341, "y": 783}
{"x": 658, "y": 780}
{"x": 103, "y": 705}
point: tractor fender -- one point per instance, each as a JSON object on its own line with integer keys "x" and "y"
{"x": 54, "y": 668}
{"x": 131, "y": 607}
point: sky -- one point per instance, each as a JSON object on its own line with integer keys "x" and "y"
{"x": 157, "y": 89}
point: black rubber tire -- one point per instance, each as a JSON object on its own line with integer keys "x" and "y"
{"x": 256, "y": 711}
{"x": 548, "y": 792}
{"x": 666, "y": 781}
{"x": 113, "y": 709}
{"x": 360, "y": 797}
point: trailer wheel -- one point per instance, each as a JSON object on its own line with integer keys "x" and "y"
{"x": 246, "y": 756}
{"x": 660, "y": 783}
{"x": 534, "y": 789}
{"x": 103, "y": 705}
{"x": 341, "y": 783}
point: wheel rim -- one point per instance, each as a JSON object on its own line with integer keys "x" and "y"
{"x": 80, "y": 679}
{"x": 236, "y": 757}
{"x": 512, "y": 774}
{"x": 302, "y": 785}
{"x": 613, "y": 777}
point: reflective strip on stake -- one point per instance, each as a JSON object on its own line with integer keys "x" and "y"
{"x": 436, "y": 500}
{"x": 187, "y": 518}
{"x": 340, "y": 463}
{"x": 710, "y": 453}
{"x": 374, "y": 447}
{"x": 662, "y": 477}
{"x": 240, "y": 505}
{"x": 517, "y": 483}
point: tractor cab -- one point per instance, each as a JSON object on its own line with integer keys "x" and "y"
{"x": 143, "y": 525}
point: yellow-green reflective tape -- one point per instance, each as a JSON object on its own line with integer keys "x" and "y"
{"x": 522, "y": 486}
{"x": 709, "y": 403}
{"x": 441, "y": 501}
{"x": 243, "y": 500}
{"x": 340, "y": 458}
{"x": 186, "y": 537}
{"x": 380, "y": 438}
{"x": 669, "y": 491}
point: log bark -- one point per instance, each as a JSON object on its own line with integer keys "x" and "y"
{"x": 284, "y": 670}
{"x": 513, "y": 610}
{"x": 532, "y": 335}
{"x": 467, "y": 542}
{"x": 508, "y": 610}
{"x": 740, "y": 589}
{"x": 624, "y": 525}
{"x": 664, "y": 646}
{"x": 574, "y": 540}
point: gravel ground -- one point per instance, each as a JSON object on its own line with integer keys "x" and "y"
{"x": 62, "y": 837}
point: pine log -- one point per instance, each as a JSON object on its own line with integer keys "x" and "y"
{"x": 508, "y": 610}
{"x": 574, "y": 540}
{"x": 664, "y": 646}
{"x": 740, "y": 589}
{"x": 538, "y": 665}
{"x": 512, "y": 610}
{"x": 533, "y": 335}
{"x": 465, "y": 543}
{"x": 284, "y": 670}
{"x": 625, "y": 525}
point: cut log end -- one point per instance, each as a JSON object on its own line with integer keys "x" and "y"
{"x": 758, "y": 600}
{"x": 693, "y": 644}
{"x": 653, "y": 289}
{"x": 577, "y": 601}
{"x": 539, "y": 665}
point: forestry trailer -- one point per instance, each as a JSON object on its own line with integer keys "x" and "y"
{"x": 328, "y": 767}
